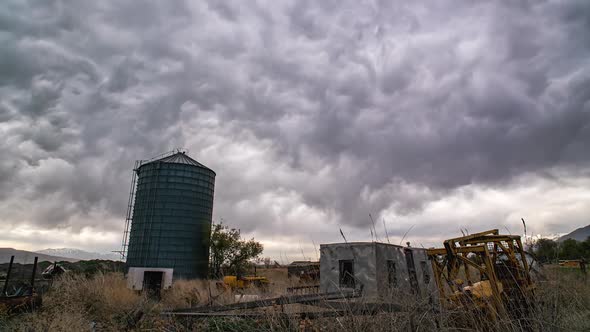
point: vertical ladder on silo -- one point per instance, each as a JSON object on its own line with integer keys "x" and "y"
{"x": 129, "y": 215}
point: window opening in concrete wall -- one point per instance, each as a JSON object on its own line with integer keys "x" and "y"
{"x": 391, "y": 274}
{"x": 412, "y": 271}
{"x": 346, "y": 273}
{"x": 425, "y": 275}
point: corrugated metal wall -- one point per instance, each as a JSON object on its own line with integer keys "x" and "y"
{"x": 172, "y": 218}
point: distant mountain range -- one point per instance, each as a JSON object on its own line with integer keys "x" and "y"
{"x": 74, "y": 255}
{"x": 52, "y": 255}
{"x": 580, "y": 234}
{"x": 28, "y": 257}
{"x": 79, "y": 254}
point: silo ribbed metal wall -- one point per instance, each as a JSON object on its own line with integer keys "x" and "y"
{"x": 172, "y": 218}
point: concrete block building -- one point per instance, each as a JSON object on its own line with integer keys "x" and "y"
{"x": 380, "y": 269}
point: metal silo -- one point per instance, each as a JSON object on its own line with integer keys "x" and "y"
{"x": 171, "y": 219}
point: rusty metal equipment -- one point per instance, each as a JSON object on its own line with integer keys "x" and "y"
{"x": 575, "y": 264}
{"x": 310, "y": 299}
{"x": 24, "y": 298}
{"x": 307, "y": 289}
{"x": 306, "y": 271}
{"x": 53, "y": 271}
{"x": 496, "y": 272}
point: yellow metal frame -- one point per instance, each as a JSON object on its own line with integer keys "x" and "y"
{"x": 480, "y": 252}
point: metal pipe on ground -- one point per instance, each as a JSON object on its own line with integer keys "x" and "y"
{"x": 306, "y": 314}
{"x": 304, "y": 299}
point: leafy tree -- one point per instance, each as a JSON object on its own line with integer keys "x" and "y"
{"x": 570, "y": 249}
{"x": 586, "y": 247}
{"x": 549, "y": 251}
{"x": 230, "y": 254}
{"x": 545, "y": 250}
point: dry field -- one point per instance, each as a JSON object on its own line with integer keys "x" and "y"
{"x": 103, "y": 303}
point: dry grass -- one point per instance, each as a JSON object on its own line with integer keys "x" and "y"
{"x": 103, "y": 303}
{"x": 187, "y": 294}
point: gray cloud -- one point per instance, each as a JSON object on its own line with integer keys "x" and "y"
{"x": 307, "y": 111}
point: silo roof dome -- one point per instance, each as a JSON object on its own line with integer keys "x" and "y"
{"x": 180, "y": 158}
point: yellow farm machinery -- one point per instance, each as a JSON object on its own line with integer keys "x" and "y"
{"x": 239, "y": 283}
{"x": 486, "y": 270}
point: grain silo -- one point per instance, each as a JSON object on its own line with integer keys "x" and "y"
{"x": 171, "y": 219}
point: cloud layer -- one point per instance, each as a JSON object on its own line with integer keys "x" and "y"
{"x": 313, "y": 114}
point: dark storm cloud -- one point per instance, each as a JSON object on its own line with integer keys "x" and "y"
{"x": 306, "y": 110}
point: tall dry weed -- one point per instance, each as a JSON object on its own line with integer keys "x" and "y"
{"x": 77, "y": 303}
{"x": 103, "y": 303}
{"x": 186, "y": 294}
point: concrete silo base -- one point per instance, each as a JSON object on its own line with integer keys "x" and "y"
{"x": 149, "y": 278}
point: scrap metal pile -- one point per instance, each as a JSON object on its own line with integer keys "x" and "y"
{"x": 235, "y": 309}
{"x": 23, "y": 297}
{"x": 486, "y": 270}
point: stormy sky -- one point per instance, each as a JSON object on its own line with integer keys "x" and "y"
{"x": 432, "y": 116}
